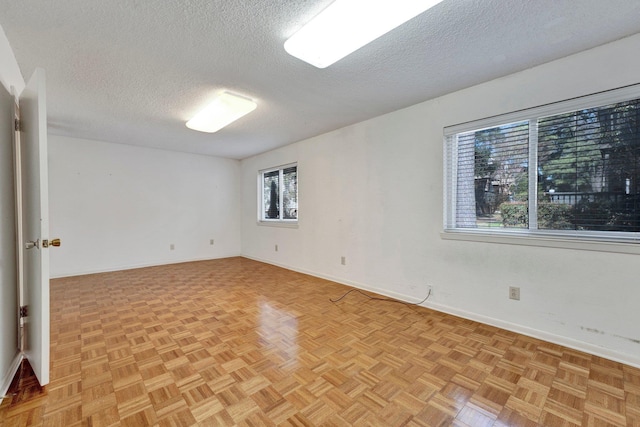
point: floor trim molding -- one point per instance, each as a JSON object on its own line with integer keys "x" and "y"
{"x": 134, "y": 266}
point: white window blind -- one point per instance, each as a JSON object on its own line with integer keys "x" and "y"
{"x": 589, "y": 169}
{"x": 491, "y": 170}
{"x": 584, "y": 179}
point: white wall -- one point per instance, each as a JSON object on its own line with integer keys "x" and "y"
{"x": 372, "y": 192}
{"x": 117, "y": 206}
{"x": 9, "y": 70}
{"x": 9, "y": 355}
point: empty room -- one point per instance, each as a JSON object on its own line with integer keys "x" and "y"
{"x": 320, "y": 213}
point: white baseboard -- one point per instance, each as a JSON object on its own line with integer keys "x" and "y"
{"x": 5, "y": 383}
{"x": 627, "y": 359}
{"x": 586, "y": 347}
{"x": 134, "y": 266}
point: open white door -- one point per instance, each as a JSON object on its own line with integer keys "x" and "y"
{"x": 35, "y": 223}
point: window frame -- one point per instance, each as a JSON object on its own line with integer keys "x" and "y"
{"x": 278, "y": 222}
{"x": 608, "y": 241}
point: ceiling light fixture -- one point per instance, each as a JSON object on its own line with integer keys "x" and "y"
{"x": 347, "y": 25}
{"x": 226, "y": 108}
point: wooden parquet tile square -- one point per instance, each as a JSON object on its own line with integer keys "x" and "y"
{"x": 237, "y": 342}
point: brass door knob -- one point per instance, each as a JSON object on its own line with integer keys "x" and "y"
{"x": 53, "y": 242}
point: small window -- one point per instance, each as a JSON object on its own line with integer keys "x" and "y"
{"x": 279, "y": 194}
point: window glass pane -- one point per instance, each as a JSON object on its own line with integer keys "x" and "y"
{"x": 271, "y": 200}
{"x": 290, "y": 192}
{"x": 492, "y": 177}
{"x": 589, "y": 167}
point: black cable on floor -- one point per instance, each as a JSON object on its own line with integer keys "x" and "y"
{"x": 381, "y": 299}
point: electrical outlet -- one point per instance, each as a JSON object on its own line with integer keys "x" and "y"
{"x": 276, "y": 248}
{"x": 343, "y": 260}
{"x": 514, "y": 293}
{"x": 211, "y": 242}
{"x": 172, "y": 247}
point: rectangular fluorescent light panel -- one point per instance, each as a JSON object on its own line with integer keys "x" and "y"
{"x": 225, "y": 109}
{"x": 347, "y": 25}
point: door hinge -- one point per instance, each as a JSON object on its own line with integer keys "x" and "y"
{"x": 23, "y": 311}
{"x": 17, "y": 125}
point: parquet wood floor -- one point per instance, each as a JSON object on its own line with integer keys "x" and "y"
{"x": 238, "y": 342}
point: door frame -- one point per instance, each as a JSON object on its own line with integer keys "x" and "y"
{"x": 17, "y": 171}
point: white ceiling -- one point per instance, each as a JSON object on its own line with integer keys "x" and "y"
{"x": 133, "y": 71}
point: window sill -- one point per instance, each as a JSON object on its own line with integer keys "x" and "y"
{"x": 281, "y": 224}
{"x": 544, "y": 240}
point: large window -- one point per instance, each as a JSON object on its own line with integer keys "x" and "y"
{"x": 279, "y": 194}
{"x": 569, "y": 170}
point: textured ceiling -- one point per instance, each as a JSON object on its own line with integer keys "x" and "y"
{"x": 133, "y": 71}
